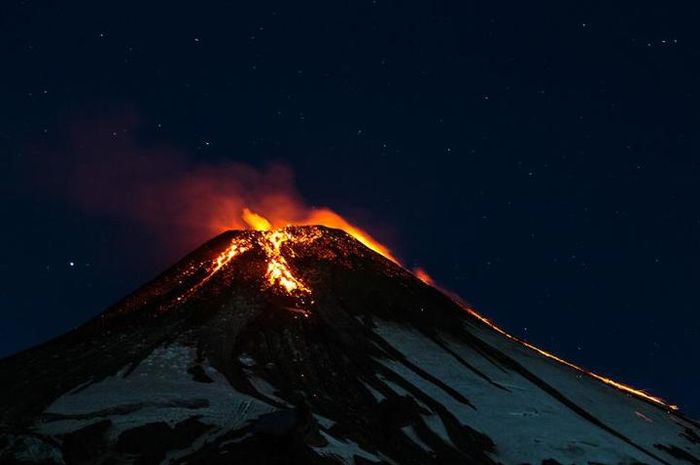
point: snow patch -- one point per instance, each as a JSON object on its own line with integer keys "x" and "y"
{"x": 344, "y": 450}
{"x": 437, "y": 426}
{"x": 413, "y": 436}
{"x": 378, "y": 396}
{"x": 158, "y": 389}
{"x": 326, "y": 423}
{"x": 527, "y": 424}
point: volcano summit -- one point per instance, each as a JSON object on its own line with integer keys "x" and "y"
{"x": 302, "y": 345}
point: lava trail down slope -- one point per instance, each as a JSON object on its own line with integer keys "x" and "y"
{"x": 301, "y": 345}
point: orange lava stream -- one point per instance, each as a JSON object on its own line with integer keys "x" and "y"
{"x": 608, "y": 381}
{"x": 278, "y": 272}
{"x": 235, "y": 249}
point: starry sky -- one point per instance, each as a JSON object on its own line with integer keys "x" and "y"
{"x": 538, "y": 159}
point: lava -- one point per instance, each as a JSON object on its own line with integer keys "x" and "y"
{"x": 288, "y": 213}
{"x": 278, "y": 272}
{"x": 235, "y": 249}
{"x": 275, "y": 234}
{"x": 329, "y": 218}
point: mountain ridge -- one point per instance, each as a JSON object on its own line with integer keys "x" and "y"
{"x": 232, "y": 357}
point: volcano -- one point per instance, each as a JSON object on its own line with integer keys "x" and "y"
{"x": 302, "y": 345}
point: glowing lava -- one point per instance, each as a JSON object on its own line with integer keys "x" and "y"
{"x": 331, "y": 219}
{"x": 278, "y": 272}
{"x": 235, "y": 249}
{"x": 285, "y": 215}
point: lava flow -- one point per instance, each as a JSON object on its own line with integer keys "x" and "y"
{"x": 278, "y": 272}
{"x": 279, "y": 276}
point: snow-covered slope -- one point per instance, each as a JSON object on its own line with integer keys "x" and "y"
{"x": 526, "y": 422}
{"x": 377, "y": 368}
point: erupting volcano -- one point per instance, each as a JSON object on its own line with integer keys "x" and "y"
{"x": 309, "y": 342}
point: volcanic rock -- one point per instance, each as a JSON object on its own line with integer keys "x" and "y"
{"x": 304, "y": 346}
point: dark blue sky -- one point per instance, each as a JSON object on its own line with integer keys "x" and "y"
{"x": 539, "y": 159}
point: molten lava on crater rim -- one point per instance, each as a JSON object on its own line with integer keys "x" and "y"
{"x": 279, "y": 275}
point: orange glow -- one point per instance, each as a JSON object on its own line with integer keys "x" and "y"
{"x": 255, "y": 221}
{"x": 278, "y": 272}
{"x": 284, "y": 212}
{"x": 331, "y": 219}
{"x": 423, "y": 276}
{"x": 620, "y": 386}
{"x": 237, "y": 247}
{"x": 234, "y": 250}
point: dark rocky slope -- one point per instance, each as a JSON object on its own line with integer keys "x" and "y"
{"x": 373, "y": 366}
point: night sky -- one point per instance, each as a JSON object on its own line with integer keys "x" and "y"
{"x": 539, "y": 159}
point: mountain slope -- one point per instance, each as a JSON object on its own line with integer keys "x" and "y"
{"x": 307, "y": 347}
